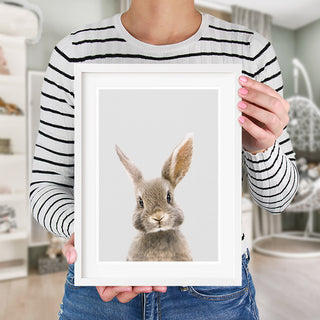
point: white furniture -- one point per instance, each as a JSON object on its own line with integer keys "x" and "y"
{"x": 13, "y": 167}
{"x": 25, "y": 27}
{"x": 38, "y": 236}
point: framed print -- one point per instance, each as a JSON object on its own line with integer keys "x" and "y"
{"x": 157, "y": 174}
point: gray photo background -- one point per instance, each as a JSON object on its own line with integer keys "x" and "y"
{"x": 147, "y": 124}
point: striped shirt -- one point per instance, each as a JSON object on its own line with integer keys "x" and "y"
{"x": 272, "y": 175}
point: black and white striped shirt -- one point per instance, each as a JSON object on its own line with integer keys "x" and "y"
{"x": 272, "y": 175}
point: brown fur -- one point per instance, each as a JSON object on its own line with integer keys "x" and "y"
{"x": 158, "y": 220}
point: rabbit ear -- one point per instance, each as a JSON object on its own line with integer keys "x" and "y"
{"x": 177, "y": 165}
{"x": 134, "y": 173}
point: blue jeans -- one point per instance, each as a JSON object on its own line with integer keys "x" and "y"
{"x": 187, "y": 303}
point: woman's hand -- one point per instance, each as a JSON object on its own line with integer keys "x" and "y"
{"x": 69, "y": 251}
{"x": 264, "y": 115}
{"x": 123, "y": 294}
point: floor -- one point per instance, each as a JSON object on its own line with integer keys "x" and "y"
{"x": 286, "y": 289}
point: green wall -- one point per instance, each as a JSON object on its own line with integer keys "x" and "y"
{"x": 304, "y": 44}
{"x": 283, "y": 41}
{"x": 308, "y": 52}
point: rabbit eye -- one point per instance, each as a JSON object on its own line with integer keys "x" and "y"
{"x": 140, "y": 201}
{"x": 169, "y": 198}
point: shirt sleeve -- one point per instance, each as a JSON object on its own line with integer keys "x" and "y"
{"x": 272, "y": 175}
{"x": 52, "y": 178}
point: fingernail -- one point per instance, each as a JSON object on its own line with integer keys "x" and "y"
{"x": 125, "y": 289}
{"x": 243, "y": 79}
{"x": 148, "y": 289}
{"x": 242, "y": 105}
{"x": 241, "y": 119}
{"x": 162, "y": 289}
{"x": 68, "y": 257}
{"x": 243, "y": 91}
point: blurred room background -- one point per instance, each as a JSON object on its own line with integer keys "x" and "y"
{"x": 285, "y": 249}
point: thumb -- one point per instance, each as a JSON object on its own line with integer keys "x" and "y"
{"x": 69, "y": 251}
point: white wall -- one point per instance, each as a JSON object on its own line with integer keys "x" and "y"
{"x": 60, "y": 18}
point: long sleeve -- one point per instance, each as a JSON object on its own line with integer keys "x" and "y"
{"x": 272, "y": 175}
{"x": 52, "y": 178}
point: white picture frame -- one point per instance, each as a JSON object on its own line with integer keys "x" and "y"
{"x": 103, "y": 88}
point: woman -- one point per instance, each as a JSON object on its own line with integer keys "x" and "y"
{"x": 164, "y": 31}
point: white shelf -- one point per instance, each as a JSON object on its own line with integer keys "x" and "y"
{"x": 12, "y": 197}
{"x": 19, "y": 234}
{"x": 13, "y": 156}
{"x": 12, "y": 80}
{"x": 14, "y": 128}
{"x": 13, "y": 117}
{"x": 14, "y": 271}
{"x": 38, "y": 235}
{"x": 14, "y": 245}
{"x": 38, "y": 243}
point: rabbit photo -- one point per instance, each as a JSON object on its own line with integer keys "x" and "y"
{"x": 157, "y": 216}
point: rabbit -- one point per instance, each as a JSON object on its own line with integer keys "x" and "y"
{"x": 157, "y": 216}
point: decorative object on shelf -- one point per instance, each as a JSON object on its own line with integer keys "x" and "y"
{"x": 5, "y": 190}
{"x": 55, "y": 246}
{"x": 55, "y": 261}
{"x": 5, "y": 147}
{"x": 21, "y": 18}
{"x": 48, "y": 265}
{"x": 7, "y": 219}
{"x": 3, "y": 63}
{"x": 9, "y": 108}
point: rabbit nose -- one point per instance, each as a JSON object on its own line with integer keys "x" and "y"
{"x": 158, "y": 217}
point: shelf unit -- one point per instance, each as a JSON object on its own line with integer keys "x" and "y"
{"x": 13, "y": 166}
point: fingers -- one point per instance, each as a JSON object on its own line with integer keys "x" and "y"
{"x": 256, "y": 85}
{"x": 108, "y": 293}
{"x": 264, "y": 96}
{"x": 269, "y": 119}
{"x": 265, "y": 138}
{"x": 159, "y": 288}
{"x": 261, "y": 99}
{"x": 125, "y": 297}
{"x": 69, "y": 251}
{"x": 125, "y": 294}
